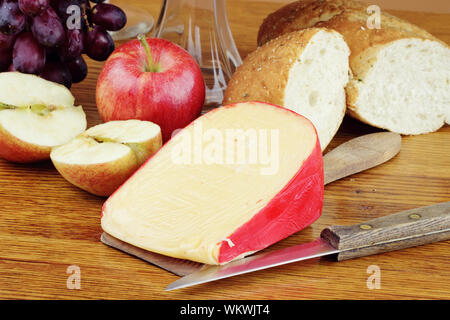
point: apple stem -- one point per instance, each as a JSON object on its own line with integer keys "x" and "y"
{"x": 150, "y": 65}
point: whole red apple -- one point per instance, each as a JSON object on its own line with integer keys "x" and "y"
{"x": 154, "y": 80}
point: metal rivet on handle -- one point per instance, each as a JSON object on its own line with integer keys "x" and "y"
{"x": 415, "y": 216}
{"x": 365, "y": 226}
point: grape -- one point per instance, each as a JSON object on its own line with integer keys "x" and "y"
{"x": 5, "y": 59}
{"x": 33, "y": 7}
{"x": 78, "y": 69}
{"x": 108, "y": 16}
{"x": 40, "y": 37}
{"x": 12, "y": 20}
{"x": 98, "y": 44}
{"x": 62, "y": 5}
{"x": 6, "y": 41}
{"x": 57, "y": 72}
{"x": 47, "y": 29}
{"x": 73, "y": 46}
{"x": 28, "y": 54}
{"x": 6, "y": 45}
{"x": 52, "y": 55}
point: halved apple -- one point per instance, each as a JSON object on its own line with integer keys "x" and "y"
{"x": 101, "y": 159}
{"x": 35, "y": 116}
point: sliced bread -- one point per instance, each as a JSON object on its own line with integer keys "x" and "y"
{"x": 401, "y": 72}
{"x": 304, "y": 71}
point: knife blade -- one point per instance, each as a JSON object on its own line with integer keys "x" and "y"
{"x": 393, "y": 232}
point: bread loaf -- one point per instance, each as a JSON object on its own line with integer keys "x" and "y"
{"x": 305, "y": 71}
{"x": 401, "y": 73}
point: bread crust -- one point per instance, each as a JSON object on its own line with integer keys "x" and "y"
{"x": 265, "y": 72}
{"x": 264, "y": 75}
{"x": 349, "y": 18}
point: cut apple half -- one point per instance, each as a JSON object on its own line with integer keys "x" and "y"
{"x": 35, "y": 116}
{"x": 105, "y": 156}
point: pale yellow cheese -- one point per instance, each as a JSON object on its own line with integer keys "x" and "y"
{"x": 185, "y": 210}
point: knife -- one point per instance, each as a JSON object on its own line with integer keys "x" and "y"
{"x": 353, "y": 156}
{"x": 393, "y": 232}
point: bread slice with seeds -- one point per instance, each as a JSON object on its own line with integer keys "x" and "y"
{"x": 304, "y": 71}
{"x": 401, "y": 73}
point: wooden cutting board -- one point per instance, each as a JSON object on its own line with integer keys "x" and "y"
{"x": 47, "y": 225}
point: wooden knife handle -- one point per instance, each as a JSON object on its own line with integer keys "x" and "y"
{"x": 360, "y": 154}
{"x": 394, "y": 232}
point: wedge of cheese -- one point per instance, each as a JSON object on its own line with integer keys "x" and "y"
{"x": 233, "y": 182}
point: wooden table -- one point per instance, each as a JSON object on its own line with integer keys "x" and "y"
{"x": 46, "y": 224}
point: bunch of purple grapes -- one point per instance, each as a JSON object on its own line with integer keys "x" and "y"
{"x": 49, "y": 37}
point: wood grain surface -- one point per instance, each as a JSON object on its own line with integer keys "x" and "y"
{"x": 47, "y": 225}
